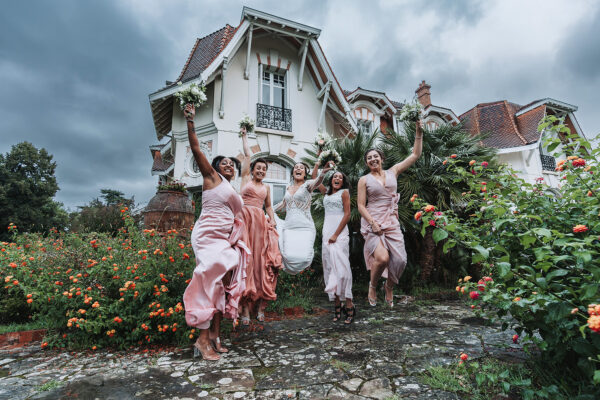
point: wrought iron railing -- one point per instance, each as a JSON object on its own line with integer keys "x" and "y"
{"x": 548, "y": 162}
{"x": 273, "y": 117}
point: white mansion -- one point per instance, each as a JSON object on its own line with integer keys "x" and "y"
{"x": 275, "y": 71}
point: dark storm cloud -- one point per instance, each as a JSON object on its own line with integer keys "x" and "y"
{"x": 75, "y": 78}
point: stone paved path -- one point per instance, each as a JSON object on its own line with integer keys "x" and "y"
{"x": 379, "y": 357}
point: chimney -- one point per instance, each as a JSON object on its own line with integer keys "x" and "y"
{"x": 423, "y": 94}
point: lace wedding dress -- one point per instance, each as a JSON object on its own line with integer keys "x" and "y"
{"x": 297, "y": 232}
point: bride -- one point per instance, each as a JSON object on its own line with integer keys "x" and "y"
{"x": 297, "y": 232}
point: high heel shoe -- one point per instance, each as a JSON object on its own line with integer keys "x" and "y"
{"x": 350, "y": 314}
{"x": 218, "y": 347}
{"x": 260, "y": 316}
{"x": 372, "y": 302}
{"x": 337, "y": 313}
{"x": 203, "y": 350}
{"x": 245, "y": 321}
{"x": 389, "y": 302}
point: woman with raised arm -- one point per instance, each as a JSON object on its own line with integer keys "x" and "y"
{"x": 221, "y": 257}
{"x": 297, "y": 231}
{"x": 384, "y": 250}
{"x": 260, "y": 235}
{"x": 335, "y": 248}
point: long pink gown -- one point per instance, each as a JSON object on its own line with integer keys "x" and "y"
{"x": 382, "y": 204}
{"x": 336, "y": 262}
{"x": 262, "y": 239}
{"x": 217, "y": 244}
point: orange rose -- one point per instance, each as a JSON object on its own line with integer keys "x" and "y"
{"x": 580, "y": 229}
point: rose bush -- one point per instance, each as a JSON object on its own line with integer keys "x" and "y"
{"x": 538, "y": 249}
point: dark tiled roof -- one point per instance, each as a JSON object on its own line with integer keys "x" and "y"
{"x": 205, "y": 51}
{"x": 159, "y": 165}
{"x": 397, "y": 104}
{"x": 498, "y": 120}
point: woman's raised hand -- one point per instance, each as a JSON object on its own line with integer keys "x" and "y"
{"x": 243, "y": 131}
{"x": 328, "y": 167}
{"x": 189, "y": 112}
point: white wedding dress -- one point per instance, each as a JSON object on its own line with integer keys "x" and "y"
{"x": 297, "y": 232}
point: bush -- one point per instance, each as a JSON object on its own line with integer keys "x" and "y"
{"x": 92, "y": 291}
{"x": 538, "y": 249}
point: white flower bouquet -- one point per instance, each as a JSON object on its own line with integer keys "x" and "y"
{"x": 247, "y": 123}
{"x": 411, "y": 112}
{"x": 194, "y": 94}
{"x": 329, "y": 155}
{"x": 321, "y": 140}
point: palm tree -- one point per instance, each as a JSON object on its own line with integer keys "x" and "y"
{"x": 430, "y": 179}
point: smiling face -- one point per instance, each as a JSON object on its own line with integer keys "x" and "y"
{"x": 259, "y": 171}
{"x": 337, "y": 181}
{"x": 299, "y": 172}
{"x": 374, "y": 160}
{"x": 227, "y": 167}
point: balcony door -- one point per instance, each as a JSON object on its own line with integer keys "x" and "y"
{"x": 273, "y": 89}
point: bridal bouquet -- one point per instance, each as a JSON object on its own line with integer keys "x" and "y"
{"x": 247, "y": 123}
{"x": 321, "y": 140}
{"x": 194, "y": 95}
{"x": 329, "y": 155}
{"x": 411, "y": 112}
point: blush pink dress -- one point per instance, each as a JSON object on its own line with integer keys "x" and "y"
{"x": 262, "y": 239}
{"x": 336, "y": 263}
{"x": 219, "y": 250}
{"x": 382, "y": 204}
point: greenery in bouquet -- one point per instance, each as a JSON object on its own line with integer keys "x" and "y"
{"x": 329, "y": 155}
{"x": 411, "y": 111}
{"x": 247, "y": 123}
{"x": 193, "y": 94}
{"x": 174, "y": 186}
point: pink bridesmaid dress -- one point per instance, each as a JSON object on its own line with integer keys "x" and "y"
{"x": 382, "y": 204}
{"x": 262, "y": 239}
{"x": 219, "y": 250}
{"x": 336, "y": 262}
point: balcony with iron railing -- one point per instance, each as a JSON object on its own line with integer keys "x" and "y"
{"x": 271, "y": 117}
{"x": 548, "y": 162}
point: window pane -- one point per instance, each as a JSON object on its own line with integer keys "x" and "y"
{"x": 266, "y": 94}
{"x": 278, "y": 94}
{"x": 278, "y": 193}
{"x": 278, "y": 80}
{"x": 276, "y": 172}
{"x": 267, "y": 77}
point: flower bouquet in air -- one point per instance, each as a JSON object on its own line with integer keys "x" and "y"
{"x": 247, "y": 123}
{"x": 411, "y": 112}
{"x": 193, "y": 94}
{"x": 321, "y": 140}
{"x": 329, "y": 155}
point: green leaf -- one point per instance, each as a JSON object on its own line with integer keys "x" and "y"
{"x": 499, "y": 211}
{"x": 503, "y": 268}
{"x": 448, "y": 245}
{"x": 597, "y": 376}
{"x": 482, "y": 250}
{"x": 505, "y": 387}
{"x": 543, "y": 232}
{"x": 439, "y": 234}
{"x": 557, "y": 272}
{"x": 527, "y": 240}
{"x": 589, "y": 291}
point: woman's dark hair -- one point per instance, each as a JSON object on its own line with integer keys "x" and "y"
{"x": 345, "y": 183}
{"x": 378, "y": 152}
{"x": 306, "y": 170}
{"x": 258, "y": 160}
{"x": 217, "y": 160}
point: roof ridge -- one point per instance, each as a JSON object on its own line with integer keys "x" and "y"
{"x": 513, "y": 123}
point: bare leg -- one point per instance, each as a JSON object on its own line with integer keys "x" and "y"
{"x": 337, "y": 313}
{"x": 350, "y": 312}
{"x": 262, "y": 305}
{"x": 246, "y": 313}
{"x": 215, "y": 331}
{"x": 381, "y": 259}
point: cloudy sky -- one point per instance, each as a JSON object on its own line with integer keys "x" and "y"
{"x": 75, "y": 75}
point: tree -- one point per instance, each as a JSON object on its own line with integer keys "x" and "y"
{"x": 431, "y": 180}
{"x": 27, "y": 186}
{"x": 98, "y": 216}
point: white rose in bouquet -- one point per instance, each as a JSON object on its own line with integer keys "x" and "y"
{"x": 411, "y": 112}
{"x": 194, "y": 94}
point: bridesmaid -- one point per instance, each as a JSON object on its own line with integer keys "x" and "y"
{"x": 260, "y": 235}
{"x": 221, "y": 257}
{"x": 384, "y": 250}
{"x": 335, "y": 249}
